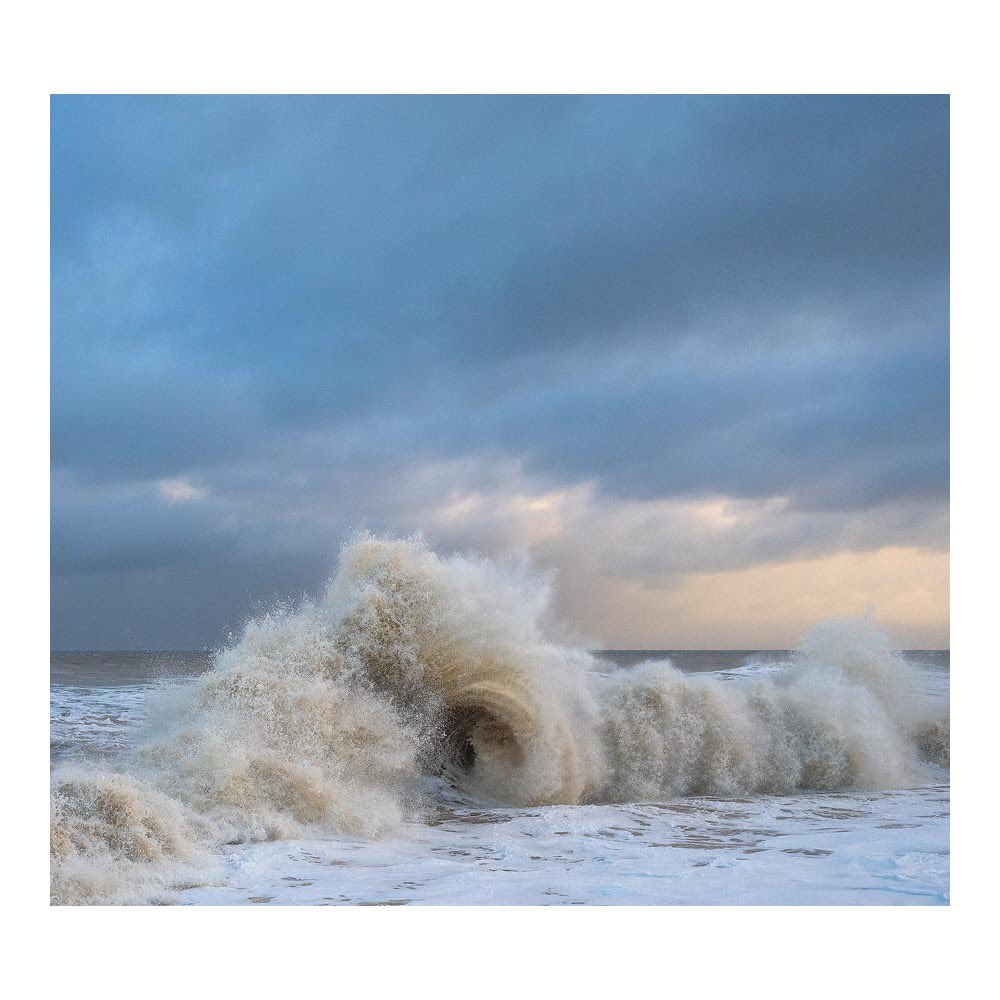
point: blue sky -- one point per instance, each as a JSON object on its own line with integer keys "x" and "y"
{"x": 689, "y": 354}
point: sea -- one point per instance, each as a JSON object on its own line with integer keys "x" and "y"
{"x": 413, "y": 738}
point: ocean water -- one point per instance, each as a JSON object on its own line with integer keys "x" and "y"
{"x": 414, "y": 738}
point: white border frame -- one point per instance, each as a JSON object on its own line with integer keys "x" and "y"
{"x": 514, "y": 47}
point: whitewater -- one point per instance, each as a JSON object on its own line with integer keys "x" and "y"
{"x": 416, "y": 736}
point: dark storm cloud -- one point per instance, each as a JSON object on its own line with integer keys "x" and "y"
{"x": 661, "y": 296}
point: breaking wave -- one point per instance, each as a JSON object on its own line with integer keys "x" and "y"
{"x": 416, "y": 673}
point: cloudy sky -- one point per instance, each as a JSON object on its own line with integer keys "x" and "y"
{"x": 689, "y": 354}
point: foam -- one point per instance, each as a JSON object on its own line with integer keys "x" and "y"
{"x": 414, "y": 673}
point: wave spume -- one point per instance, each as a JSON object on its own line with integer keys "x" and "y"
{"x": 331, "y": 717}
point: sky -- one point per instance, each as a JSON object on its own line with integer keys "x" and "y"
{"x": 688, "y": 355}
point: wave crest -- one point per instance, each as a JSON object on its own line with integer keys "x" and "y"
{"x": 334, "y": 715}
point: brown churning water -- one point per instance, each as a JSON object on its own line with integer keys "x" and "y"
{"x": 416, "y": 673}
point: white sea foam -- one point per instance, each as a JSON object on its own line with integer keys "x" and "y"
{"x": 94, "y": 720}
{"x": 417, "y": 676}
{"x": 882, "y": 848}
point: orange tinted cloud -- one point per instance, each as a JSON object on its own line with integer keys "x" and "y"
{"x": 772, "y": 605}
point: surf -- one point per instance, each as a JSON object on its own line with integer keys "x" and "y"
{"x": 415, "y": 674}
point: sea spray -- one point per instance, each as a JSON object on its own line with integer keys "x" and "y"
{"x": 416, "y": 673}
{"x": 844, "y": 712}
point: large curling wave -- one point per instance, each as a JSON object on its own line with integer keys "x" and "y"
{"x": 416, "y": 673}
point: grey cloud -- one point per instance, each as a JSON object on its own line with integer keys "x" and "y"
{"x": 665, "y": 297}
